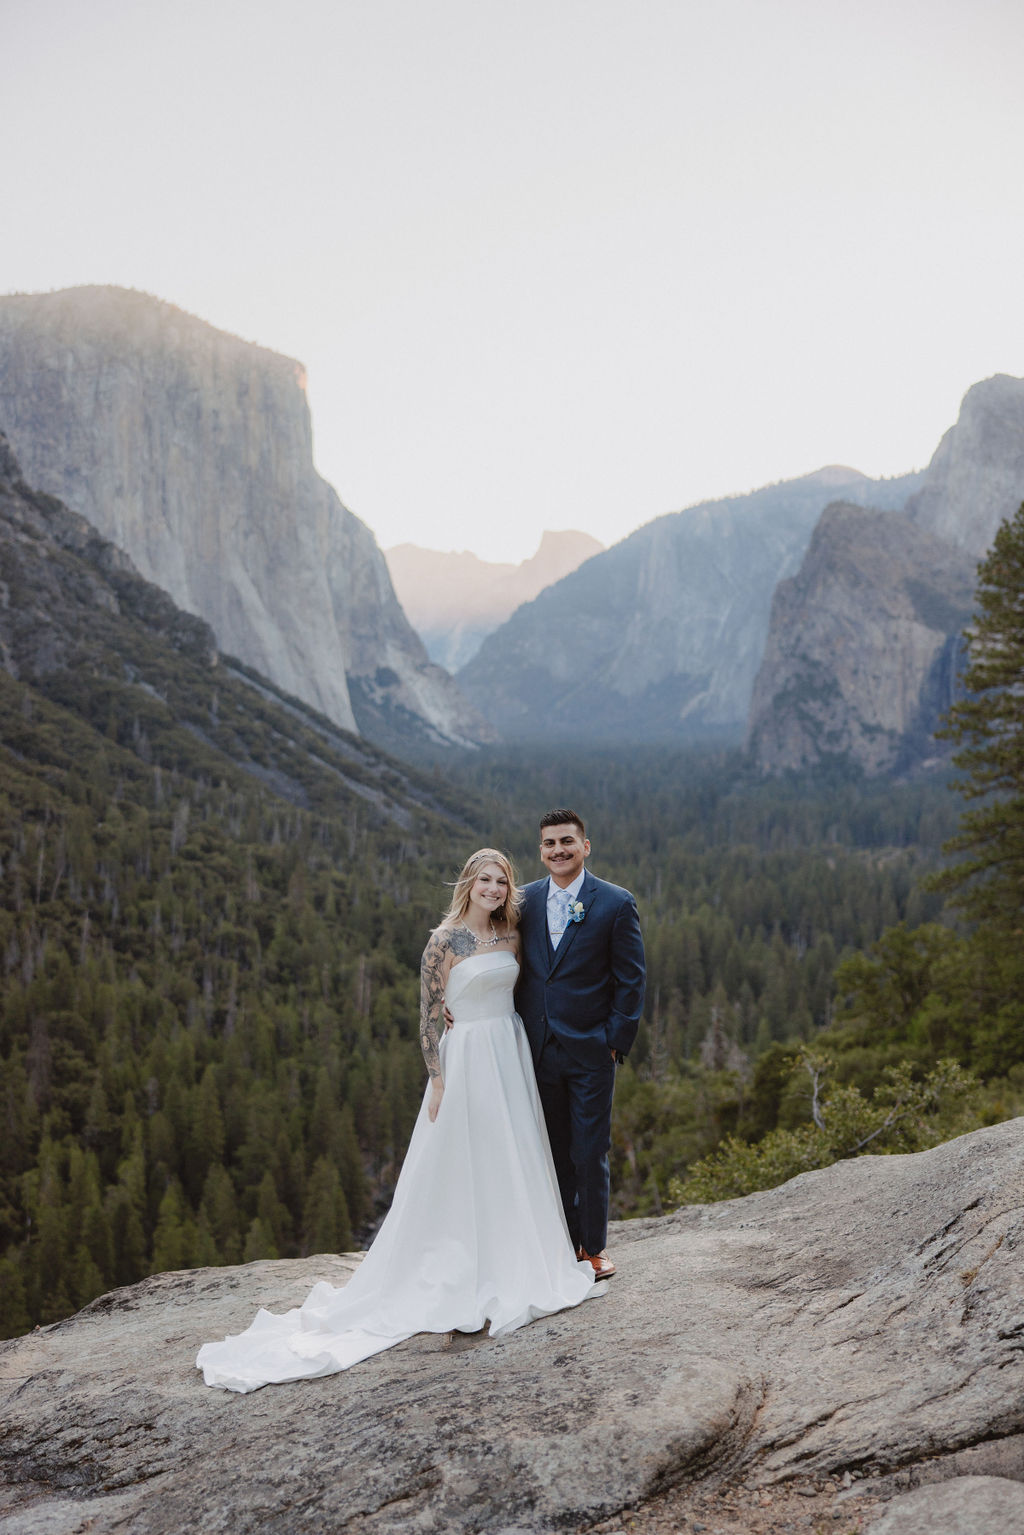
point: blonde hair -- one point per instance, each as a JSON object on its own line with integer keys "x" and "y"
{"x": 508, "y": 912}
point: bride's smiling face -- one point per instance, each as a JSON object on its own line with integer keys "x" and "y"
{"x": 488, "y": 891}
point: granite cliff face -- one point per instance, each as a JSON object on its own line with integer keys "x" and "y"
{"x": 454, "y": 600}
{"x": 864, "y": 645}
{"x": 81, "y": 629}
{"x": 59, "y": 580}
{"x": 855, "y": 1338}
{"x": 662, "y": 635}
{"x": 976, "y": 476}
{"x": 192, "y": 451}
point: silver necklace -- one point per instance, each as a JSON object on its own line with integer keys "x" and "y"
{"x": 485, "y": 943}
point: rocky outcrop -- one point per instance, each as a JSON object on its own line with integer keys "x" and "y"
{"x": 192, "y": 451}
{"x": 864, "y": 646}
{"x": 976, "y": 477}
{"x": 857, "y": 1331}
{"x": 661, "y": 636}
{"x": 970, "y": 1505}
{"x": 455, "y": 600}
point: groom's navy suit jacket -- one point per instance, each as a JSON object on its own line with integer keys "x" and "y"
{"x": 589, "y": 991}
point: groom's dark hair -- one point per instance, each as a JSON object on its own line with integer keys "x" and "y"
{"x": 563, "y": 818}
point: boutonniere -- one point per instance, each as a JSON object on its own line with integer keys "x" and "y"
{"x": 576, "y": 911}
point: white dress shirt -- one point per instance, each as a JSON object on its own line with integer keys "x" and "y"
{"x": 555, "y": 926}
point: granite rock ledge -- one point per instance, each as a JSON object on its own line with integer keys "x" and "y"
{"x": 864, "y": 1321}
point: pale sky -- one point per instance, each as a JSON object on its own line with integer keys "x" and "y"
{"x": 549, "y": 263}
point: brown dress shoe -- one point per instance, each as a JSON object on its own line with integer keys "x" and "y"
{"x": 600, "y": 1262}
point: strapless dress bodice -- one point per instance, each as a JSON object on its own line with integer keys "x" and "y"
{"x": 482, "y": 987}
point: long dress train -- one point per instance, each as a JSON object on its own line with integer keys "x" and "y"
{"x": 476, "y": 1232}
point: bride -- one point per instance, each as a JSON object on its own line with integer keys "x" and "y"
{"x": 476, "y": 1231}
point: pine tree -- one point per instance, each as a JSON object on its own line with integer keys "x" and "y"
{"x": 206, "y": 1132}
{"x": 219, "y": 1210}
{"x": 14, "y": 1311}
{"x": 176, "y": 1237}
{"x": 350, "y": 1166}
{"x": 325, "y": 1218}
{"x": 988, "y": 726}
{"x": 128, "y": 1237}
{"x": 259, "y": 1243}
{"x": 272, "y": 1214}
{"x": 324, "y": 1120}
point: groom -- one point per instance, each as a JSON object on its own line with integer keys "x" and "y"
{"x": 580, "y": 995}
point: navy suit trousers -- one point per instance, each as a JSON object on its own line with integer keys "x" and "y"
{"x": 577, "y": 1102}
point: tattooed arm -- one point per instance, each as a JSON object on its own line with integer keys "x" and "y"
{"x": 434, "y": 969}
{"x": 460, "y": 944}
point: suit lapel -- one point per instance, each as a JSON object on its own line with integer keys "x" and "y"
{"x": 537, "y": 930}
{"x": 587, "y": 889}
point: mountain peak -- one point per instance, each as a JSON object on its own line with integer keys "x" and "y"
{"x": 834, "y": 474}
{"x": 976, "y": 476}
{"x": 113, "y": 317}
{"x": 192, "y": 451}
{"x": 567, "y": 538}
{"x": 455, "y": 600}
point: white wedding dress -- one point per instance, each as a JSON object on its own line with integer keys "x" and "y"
{"x": 476, "y": 1232}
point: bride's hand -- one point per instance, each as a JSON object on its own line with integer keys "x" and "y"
{"x": 434, "y": 1101}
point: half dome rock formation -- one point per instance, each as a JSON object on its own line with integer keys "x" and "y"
{"x": 192, "y": 451}
{"x": 863, "y": 647}
{"x": 660, "y": 637}
{"x": 855, "y": 1334}
{"x": 454, "y": 600}
{"x": 976, "y": 477}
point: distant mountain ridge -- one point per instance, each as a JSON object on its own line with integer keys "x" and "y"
{"x": 661, "y": 636}
{"x": 454, "y": 600}
{"x": 192, "y": 451}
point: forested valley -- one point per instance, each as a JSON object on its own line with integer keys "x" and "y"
{"x": 212, "y": 907}
{"x": 210, "y": 996}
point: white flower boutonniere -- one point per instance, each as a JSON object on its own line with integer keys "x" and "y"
{"x": 576, "y": 911}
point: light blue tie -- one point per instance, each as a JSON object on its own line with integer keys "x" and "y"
{"x": 561, "y": 913}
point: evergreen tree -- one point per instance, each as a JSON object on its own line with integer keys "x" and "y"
{"x": 272, "y": 1213}
{"x": 350, "y": 1167}
{"x": 259, "y": 1243}
{"x": 206, "y": 1132}
{"x": 15, "y": 1317}
{"x": 128, "y": 1237}
{"x": 176, "y": 1237}
{"x": 988, "y": 725}
{"x": 325, "y": 1218}
{"x": 218, "y": 1212}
